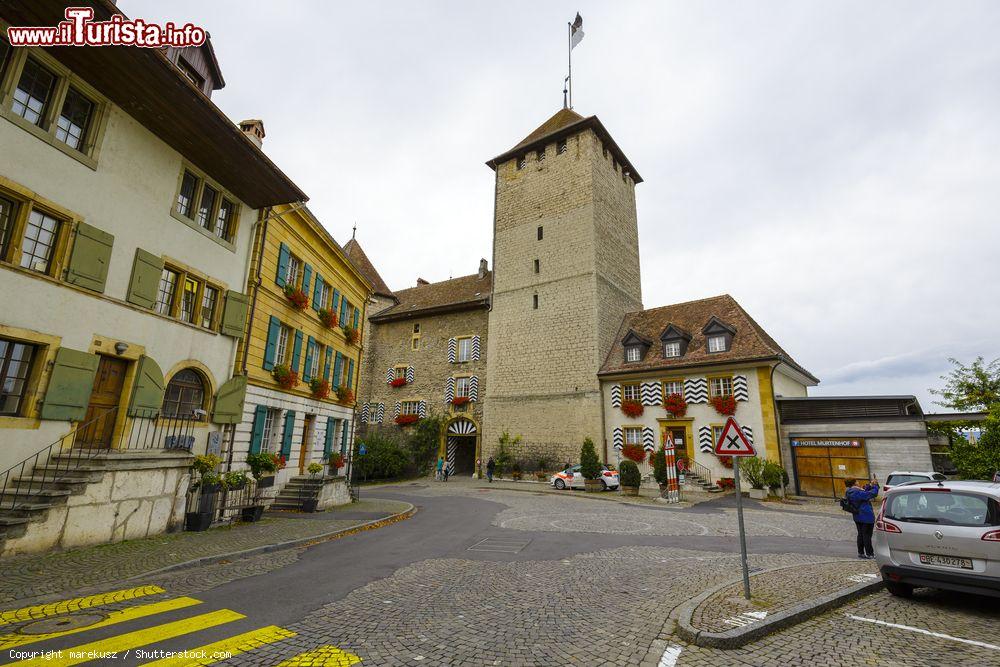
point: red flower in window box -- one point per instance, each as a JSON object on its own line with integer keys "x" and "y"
{"x": 336, "y": 461}
{"x": 726, "y": 483}
{"x": 724, "y": 405}
{"x": 344, "y": 394}
{"x": 726, "y": 461}
{"x": 675, "y": 405}
{"x": 397, "y": 382}
{"x": 634, "y": 452}
{"x": 286, "y": 378}
{"x": 351, "y": 334}
{"x": 406, "y": 420}
{"x": 460, "y": 400}
{"x": 320, "y": 388}
{"x": 296, "y": 297}
{"x": 327, "y": 317}
{"x": 632, "y": 408}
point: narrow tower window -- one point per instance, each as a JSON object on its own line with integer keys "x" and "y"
{"x": 536, "y": 266}
{"x": 534, "y": 301}
{"x": 540, "y": 155}
{"x": 521, "y": 162}
{"x": 539, "y": 232}
{"x": 561, "y": 146}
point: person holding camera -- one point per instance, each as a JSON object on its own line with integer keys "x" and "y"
{"x": 859, "y": 501}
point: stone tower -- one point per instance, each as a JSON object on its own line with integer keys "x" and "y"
{"x": 566, "y": 269}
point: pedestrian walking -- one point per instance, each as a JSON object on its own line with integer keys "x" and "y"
{"x": 857, "y": 501}
{"x": 440, "y": 468}
{"x": 491, "y": 465}
{"x": 446, "y": 471}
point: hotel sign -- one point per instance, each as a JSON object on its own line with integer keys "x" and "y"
{"x": 827, "y": 442}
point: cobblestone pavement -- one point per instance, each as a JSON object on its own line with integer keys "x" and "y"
{"x": 31, "y": 576}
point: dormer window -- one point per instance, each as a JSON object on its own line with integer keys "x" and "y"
{"x": 635, "y": 347}
{"x": 633, "y": 353}
{"x": 672, "y": 349}
{"x": 675, "y": 341}
{"x": 717, "y": 343}
{"x": 718, "y": 336}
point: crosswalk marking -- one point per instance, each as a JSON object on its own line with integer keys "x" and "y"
{"x": 75, "y": 604}
{"x": 210, "y": 653}
{"x": 114, "y": 646}
{"x": 14, "y": 639}
{"x": 322, "y": 656}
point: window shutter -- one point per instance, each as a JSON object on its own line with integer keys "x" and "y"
{"x": 343, "y": 436}
{"x": 229, "y": 401}
{"x": 357, "y": 317}
{"x": 147, "y": 393}
{"x": 307, "y": 370}
{"x": 317, "y": 291}
{"x": 307, "y": 272}
{"x": 397, "y": 410}
{"x": 648, "y": 439}
{"x": 422, "y": 409}
{"x": 257, "y": 432}
{"x": 474, "y": 388}
{"x": 297, "y": 350}
{"x": 705, "y": 443}
{"x": 70, "y": 384}
{"x": 326, "y": 366}
{"x": 283, "y": 257}
{"x": 452, "y": 350}
{"x": 365, "y": 412}
{"x": 234, "y": 314}
{"x": 146, "y": 271}
{"x": 337, "y": 368}
{"x": 336, "y": 301}
{"x": 741, "y": 390}
{"x": 390, "y": 374}
{"x": 331, "y": 425}
{"x": 271, "y": 347}
{"x": 409, "y": 375}
{"x": 449, "y": 390}
{"x": 350, "y": 374}
{"x": 88, "y": 264}
{"x": 616, "y": 395}
{"x": 342, "y": 317}
{"x": 475, "y": 348}
{"x": 618, "y": 438}
{"x": 286, "y": 436}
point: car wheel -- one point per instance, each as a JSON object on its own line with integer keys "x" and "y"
{"x": 560, "y": 484}
{"x": 898, "y": 589}
{"x": 604, "y": 485}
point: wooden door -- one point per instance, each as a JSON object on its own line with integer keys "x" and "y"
{"x": 822, "y": 466}
{"x": 107, "y": 394}
{"x": 308, "y": 426}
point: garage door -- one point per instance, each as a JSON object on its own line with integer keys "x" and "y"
{"x": 821, "y": 465}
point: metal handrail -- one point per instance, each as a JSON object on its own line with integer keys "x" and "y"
{"x": 700, "y": 471}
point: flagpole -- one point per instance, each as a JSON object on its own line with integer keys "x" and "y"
{"x": 569, "y": 55}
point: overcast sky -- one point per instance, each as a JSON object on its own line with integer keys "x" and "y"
{"x": 835, "y": 166}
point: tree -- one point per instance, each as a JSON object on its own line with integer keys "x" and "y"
{"x": 503, "y": 457}
{"x": 982, "y": 459}
{"x": 590, "y": 464}
{"x": 971, "y": 388}
{"x": 424, "y": 442}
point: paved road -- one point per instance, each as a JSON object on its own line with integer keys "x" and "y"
{"x": 481, "y": 576}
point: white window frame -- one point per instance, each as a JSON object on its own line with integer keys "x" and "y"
{"x": 672, "y": 349}
{"x": 669, "y": 384}
{"x": 717, "y": 386}
{"x": 326, "y": 296}
{"x": 281, "y": 349}
{"x": 464, "y": 343}
{"x": 717, "y": 433}
{"x": 632, "y": 435}
{"x": 409, "y": 408}
{"x": 293, "y": 270}
{"x": 271, "y": 418}
{"x": 717, "y": 343}
{"x": 633, "y": 353}
{"x": 628, "y": 389}
{"x": 314, "y": 362}
{"x": 463, "y": 387}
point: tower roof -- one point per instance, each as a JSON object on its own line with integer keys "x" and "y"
{"x": 562, "y": 124}
{"x": 360, "y": 260}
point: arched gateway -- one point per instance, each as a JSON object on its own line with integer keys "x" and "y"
{"x": 460, "y": 446}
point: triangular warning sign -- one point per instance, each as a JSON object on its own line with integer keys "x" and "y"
{"x": 733, "y": 442}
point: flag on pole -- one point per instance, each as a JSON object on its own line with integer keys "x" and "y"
{"x": 576, "y": 31}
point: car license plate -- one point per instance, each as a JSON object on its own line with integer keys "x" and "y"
{"x": 946, "y": 561}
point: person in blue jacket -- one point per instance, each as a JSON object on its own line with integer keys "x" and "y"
{"x": 864, "y": 518}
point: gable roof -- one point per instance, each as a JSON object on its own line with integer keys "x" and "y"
{"x": 360, "y": 260}
{"x": 750, "y": 342}
{"x": 463, "y": 293}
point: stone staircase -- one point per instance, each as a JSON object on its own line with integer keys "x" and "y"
{"x": 699, "y": 481}
{"x": 296, "y": 490}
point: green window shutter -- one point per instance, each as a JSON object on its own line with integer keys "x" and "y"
{"x": 337, "y": 368}
{"x": 343, "y": 437}
{"x": 317, "y": 292}
{"x": 70, "y": 384}
{"x": 145, "y": 279}
{"x": 307, "y": 272}
{"x": 336, "y": 300}
{"x": 297, "y": 351}
{"x": 306, "y": 372}
{"x": 357, "y": 317}
{"x": 283, "y": 256}
{"x": 88, "y": 264}
{"x": 229, "y": 401}
{"x": 331, "y": 426}
{"x": 286, "y": 436}
{"x": 350, "y": 374}
{"x": 257, "y": 432}
{"x": 327, "y": 366}
{"x": 234, "y": 315}
{"x": 344, "y": 305}
{"x": 271, "y": 346}
{"x": 147, "y": 394}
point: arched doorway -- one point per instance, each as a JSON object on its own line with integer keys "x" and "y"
{"x": 461, "y": 446}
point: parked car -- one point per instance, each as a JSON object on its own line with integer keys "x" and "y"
{"x": 940, "y": 535}
{"x": 897, "y": 477}
{"x": 572, "y": 478}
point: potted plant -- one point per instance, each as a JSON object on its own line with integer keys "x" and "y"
{"x": 285, "y": 377}
{"x": 309, "y": 504}
{"x": 296, "y": 297}
{"x": 319, "y": 387}
{"x": 406, "y": 420}
{"x": 632, "y": 408}
{"x": 351, "y": 334}
{"x": 344, "y": 394}
{"x": 336, "y": 462}
{"x": 630, "y": 478}
{"x": 752, "y": 470}
{"x": 396, "y": 383}
{"x": 263, "y": 465}
{"x": 515, "y": 471}
{"x": 327, "y": 317}
{"x": 634, "y": 452}
{"x": 660, "y": 467}
{"x": 675, "y": 405}
{"x": 235, "y": 480}
{"x": 590, "y": 466}
{"x": 208, "y": 484}
{"x": 724, "y": 405}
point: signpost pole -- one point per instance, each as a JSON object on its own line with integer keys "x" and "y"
{"x": 743, "y": 534}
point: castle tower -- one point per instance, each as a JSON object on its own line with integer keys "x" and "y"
{"x": 566, "y": 269}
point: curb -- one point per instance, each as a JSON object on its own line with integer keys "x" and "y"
{"x": 738, "y": 637}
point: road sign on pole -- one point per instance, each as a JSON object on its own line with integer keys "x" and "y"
{"x": 733, "y": 442}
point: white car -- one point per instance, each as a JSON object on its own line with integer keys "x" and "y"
{"x": 897, "y": 477}
{"x": 572, "y": 478}
{"x": 940, "y": 535}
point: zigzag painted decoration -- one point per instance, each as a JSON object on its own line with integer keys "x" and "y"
{"x": 462, "y": 427}
{"x": 450, "y": 455}
{"x": 449, "y": 390}
{"x": 741, "y": 391}
{"x": 748, "y": 432}
{"x": 648, "y": 439}
{"x": 475, "y": 348}
{"x": 380, "y": 413}
{"x": 422, "y": 409}
{"x": 364, "y": 413}
{"x": 705, "y": 439}
{"x": 651, "y": 393}
{"x": 616, "y": 395}
{"x": 474, "y": 388}
{"x": 397, "y": 409}
{"x": 452, "y": 350}
{"x": 618, "y": 438}
{"x": 390, "y": 375}
{"x": 696, "y": 390}
{"x": 409, "y": 375}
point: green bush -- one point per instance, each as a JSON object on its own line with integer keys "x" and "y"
{"x": 982, "y": 459}
{"x": 422, "y": 445}
{"x": 752, "y": 470}
{"x": 503, "y": 457}
{"x": 629, "y": 474}
{"x": 774, "y": 476}
{"x": 383, "y": 458}
{"x": 660, "y": 465}
{"x": 590, "y": 464}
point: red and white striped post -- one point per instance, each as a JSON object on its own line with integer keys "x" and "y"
{"x": 673, "y": 492}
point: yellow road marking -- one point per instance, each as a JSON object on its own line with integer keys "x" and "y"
{"x": 112, "y": 647}
{"x": 75, "y": 604}
{"x": 322, "y": 656}
{"x": 14, "y": 639}
{"x": 210, "y": 653}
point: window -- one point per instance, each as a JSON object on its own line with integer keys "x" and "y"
{"x": 15, "y": 365}
{"x": 672, "y": 349}
{"x": 409, "y": 408}
{"x": 633, "y": 435}
{"x": 945, "y": 508}
{"x": 633, "y": 353}
{"x": 185, "y": 394}
{"x": 224, "y": 219}
{"x": 464, "y": 349}
{"x": 185, "y": 198}
{"x": 7, "y": 211}
{"x": 39, "y": 241}
{"x": 415, "y": 343}
{"x": 716, "y": 433}
{"x": 189, "y": 300}
{"x": 293, "y": 271}
{"x": 271, "y": 417}
{"x": 281, "y": 352}
{"x": 191, "y": 73}
{"x": 537, "y": 266}
{"x": 416, "y": 328}
{"x": 539, "y": 232}
{"x": 71, "y": 128}
{"x": 314, "y": 361}
{"x": 32, "y": 92}
{"x": 534, "y": 301}
{"x": 208, "y": 301}
{"x": 716, "y": 343}
{"x": 522, "y": 162}
{"x": 165, "y": 292}
{"x": 399, "y": 371}
{"x": 540, "y": 155}
{"x": 462, "y": 386}
{"x": 673, "y": 387}
{"x": 630, "y": 392}
{"x": 561, "y": 147}
{"x": 206, "y": 206}
{"x": 326, "y": 296}
{"x": 721, "y": 386}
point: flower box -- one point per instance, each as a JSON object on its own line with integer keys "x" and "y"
{"x": 634, "y": 452}
{"x": 296, "y": 297}
{"x": 286, "y": 378}
{"x": 726, "y": 483}
{"x": 724, "y": 405}
{"x": 675, "y": 405}
{"x": 320, "y": 388}
{"x": 345, "y": 395}
{"x": 397, "y": 382}
{"x": 327, "y": 317}
{"x": 406, "y": 420}
{"x": 726, "y": 461}
{"x": 460, "y": 400}
{"x": 351, "y": 334}
{"x": 632, "y": 408}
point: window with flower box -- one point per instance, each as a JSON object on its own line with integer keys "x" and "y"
{"x": 282, "y": 353}
{"x": 409, "y": 408}
{"x": 267, "y": 442}
{"x": 721, "y": 386}
{"x": 633, "y": 435}
{"x": 631, "y": 392}
{"x": 673, "y": 387}
{"x": 293, "y": 271}
{"x": 462, "y": 387}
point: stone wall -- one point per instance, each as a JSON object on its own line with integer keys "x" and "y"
{"x": 333, "y": 492}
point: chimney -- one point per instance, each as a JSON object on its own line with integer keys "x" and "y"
{"x": 483, "y": 268}
{"x": 421, "y": 281}
{"x": 254, "y": 129}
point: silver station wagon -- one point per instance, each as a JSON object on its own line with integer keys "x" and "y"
{"x": 940, "y": 534}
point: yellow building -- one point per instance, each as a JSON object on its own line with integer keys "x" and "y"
{"x": 303, "y": 348}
